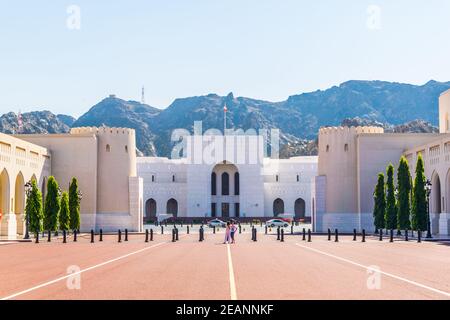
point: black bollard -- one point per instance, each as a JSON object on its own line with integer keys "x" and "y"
{"x": 292, "y": 228}
{"x": 240, "y": 231}
{"x": 92, "y": 236}
{"x": 354, "y": 234}
{"x": 406, "y": 235}
{"x": 176, "y": 234}
{"x": 329, "y": 234}
{"x": 173, "y": 235}
{"x": 304, "y": 234}
{"x": 255, "y": 232}
{"x": 200, "y": 235}
{"x": 126, "y": 234}
{"x": 336, "y": 235}
{"x": 75, "y": 232}
{"x": 282, "y": 235}
{"x": 265, "y": 230}
{"x": 49, "y": 238}
{"x": 119, "y": 236}
{"x": 363, "y": 235}
{"x": 151, "y": 234}
{"x": 419, "y": 236}
{"x": 381, "y": 235}
{"x": 146, "y": 235}
{"x": 162, "y": 229}
{"x": 391, "y": 236}
{"x": 187, "y": 229}
{"x": 309, "y": 235}
{"x": 64, "y": 236}
{"x": 214, "y": 229}
{"x": 278, "y": 233}
{"x": 101, "y": 235}
{"x": 37, "y": 237}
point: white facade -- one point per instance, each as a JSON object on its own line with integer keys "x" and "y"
{"x": 246, "y": 183}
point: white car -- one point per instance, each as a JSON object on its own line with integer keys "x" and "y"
{"x": 277, "y": 223}
{"x": 216, "y": 223}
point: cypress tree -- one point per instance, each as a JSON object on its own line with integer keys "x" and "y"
{"x": 52, "y": 205}
{"x": 391, "y": 208}
{"x": 74, "y": 205}
{"x": 404, "y": 191}
{"x": 64, "y": 215}
{"x": 419, "y": 212}
{"x": 379, "y": 208}
{"x": 33, "y": 208}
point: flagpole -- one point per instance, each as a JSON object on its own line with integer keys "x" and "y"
{"x": 224, "y": 118}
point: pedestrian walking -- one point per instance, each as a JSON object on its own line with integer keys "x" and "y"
{"x": 233, "y": 230}
{"x": 227, "y": 233}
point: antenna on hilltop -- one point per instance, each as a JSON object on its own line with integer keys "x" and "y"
{"x": 143, "y": 95}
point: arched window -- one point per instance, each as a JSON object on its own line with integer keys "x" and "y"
{"x": 300, "y": 208}
{"x": 236, "y": 184}
{"x": 278, "y": 207}
{"x": 173, "y": 178}
{"x": 225, "y": 184}
{"x": 108, "y": 148}
{"x": 172, "y": 207}
{"x": 213, "y": 184}
{"x": 150, "y": 208}
{"x": 126, "y": 149}
{"x": 346, "y": 147}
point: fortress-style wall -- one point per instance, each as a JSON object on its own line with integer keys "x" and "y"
{"x": 338, "y": 162}
{"x": 116, "y": 156}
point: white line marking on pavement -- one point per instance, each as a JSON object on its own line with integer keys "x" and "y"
{"x": 81, "y": 271}
{"x": 382, "y": 272}
{"x": 233, "y": 294}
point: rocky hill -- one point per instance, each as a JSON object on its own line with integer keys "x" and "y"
{"x": 395, "y": 106}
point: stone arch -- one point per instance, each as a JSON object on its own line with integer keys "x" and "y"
{"x": 278, "y": 206}
{"x": 172, "y": 207}
{"x": 19, "y": 202}
{"x": 4, "y": 193}
{"x": 150, "y": 208}
{"x": 300, "y": 208}
{"x": 436, "y": 195}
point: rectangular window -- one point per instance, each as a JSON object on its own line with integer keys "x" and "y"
{"x": 213, "y": 210}
{"x": 153, "y": 178}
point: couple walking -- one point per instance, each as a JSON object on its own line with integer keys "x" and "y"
{"x": 230, "y": 231}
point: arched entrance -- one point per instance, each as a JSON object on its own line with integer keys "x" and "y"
{"x": 278, "y": 207}
{"x": 19, "y": 203}
{"x": 4, "y": 202}
{"x": 172, "y": 207}
{"x": 436, "y": 195}
{"x": 225, "y": 190}
{"x": 300, "y": 208}
{"x": 150, "y": 209}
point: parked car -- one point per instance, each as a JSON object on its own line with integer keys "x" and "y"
{"x": 216, "y": 223}
{"x": 277, "y": 223}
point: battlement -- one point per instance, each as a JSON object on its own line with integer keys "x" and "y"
{"x": 349, "y": 130}
{"x": 102, "y": 130}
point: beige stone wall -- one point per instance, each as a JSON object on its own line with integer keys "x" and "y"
{"x": 20, "y": 161}
{"x": 338, "y": 162}
{"x": 116, "y": 150}
{"x": 74, "y": 156}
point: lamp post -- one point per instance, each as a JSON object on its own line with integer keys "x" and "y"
{"x": 396, "y": 205}
{"x": 28, "y": 188}
{"x": 428, "y": 192}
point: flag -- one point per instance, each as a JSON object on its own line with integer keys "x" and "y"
{"x": 225, "y": 109}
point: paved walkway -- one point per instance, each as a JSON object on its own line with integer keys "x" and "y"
{"x": 188, "y": 269}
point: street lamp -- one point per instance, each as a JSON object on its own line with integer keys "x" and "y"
{"x": 428, "y": 192}
{"x": 28, "y": 187}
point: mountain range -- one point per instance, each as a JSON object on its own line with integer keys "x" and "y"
{"x": 397, "y": 107}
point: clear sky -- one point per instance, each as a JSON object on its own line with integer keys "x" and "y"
{"x": 265, "y": 49}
